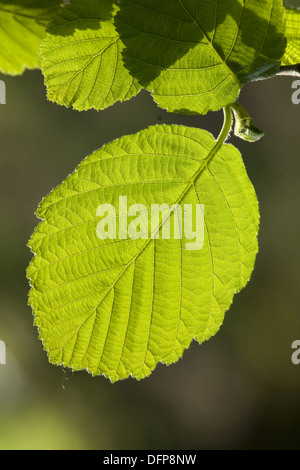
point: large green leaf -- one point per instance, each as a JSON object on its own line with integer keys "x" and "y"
{"x": 22, "y": 27}
{"x": 81, "y": 57}
{"x": 292, "y": 53}
{"x": 194, "y": 55}
{"x": 118, "y": 307}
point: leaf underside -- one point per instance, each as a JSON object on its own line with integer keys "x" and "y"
{"x": 119, "y": 307}
{"x": 22, "y": 28}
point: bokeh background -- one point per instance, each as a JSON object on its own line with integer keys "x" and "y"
{"x": 240, "y": 390}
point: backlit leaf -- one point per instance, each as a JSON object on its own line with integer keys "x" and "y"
{"x": 119, "y": 306}
{"x": 22, "y": 28}
{"x": 195, "y": 55}
{"x": 82, "y": 57}
{"x": 292, "y": 53}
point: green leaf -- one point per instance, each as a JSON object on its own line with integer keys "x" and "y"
{"x": 292, "y": 53}
{"x": 118, "y": 307}
{"x": 195, "y": 55}
{"x": 22, "y": 27}
{"x": 82, "y": 57}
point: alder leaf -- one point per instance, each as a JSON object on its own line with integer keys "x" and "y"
{"x": 82, "y": 57}
{"x": 195, "y": 55}
{"x": 120, "y": 306}
{"x": 292, "y": 53}
{"x": 22, "y": 27}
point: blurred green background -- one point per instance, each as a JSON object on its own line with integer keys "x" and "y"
{"x": 240, "y": 390}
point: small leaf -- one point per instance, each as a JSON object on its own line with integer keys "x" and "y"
{"x": 82, "y": 57}
{"x": 22, "y": 27}
{"x": 195, "y": 55}
{"x": 292, "y": 53}
{"x": 118, "y": 307}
